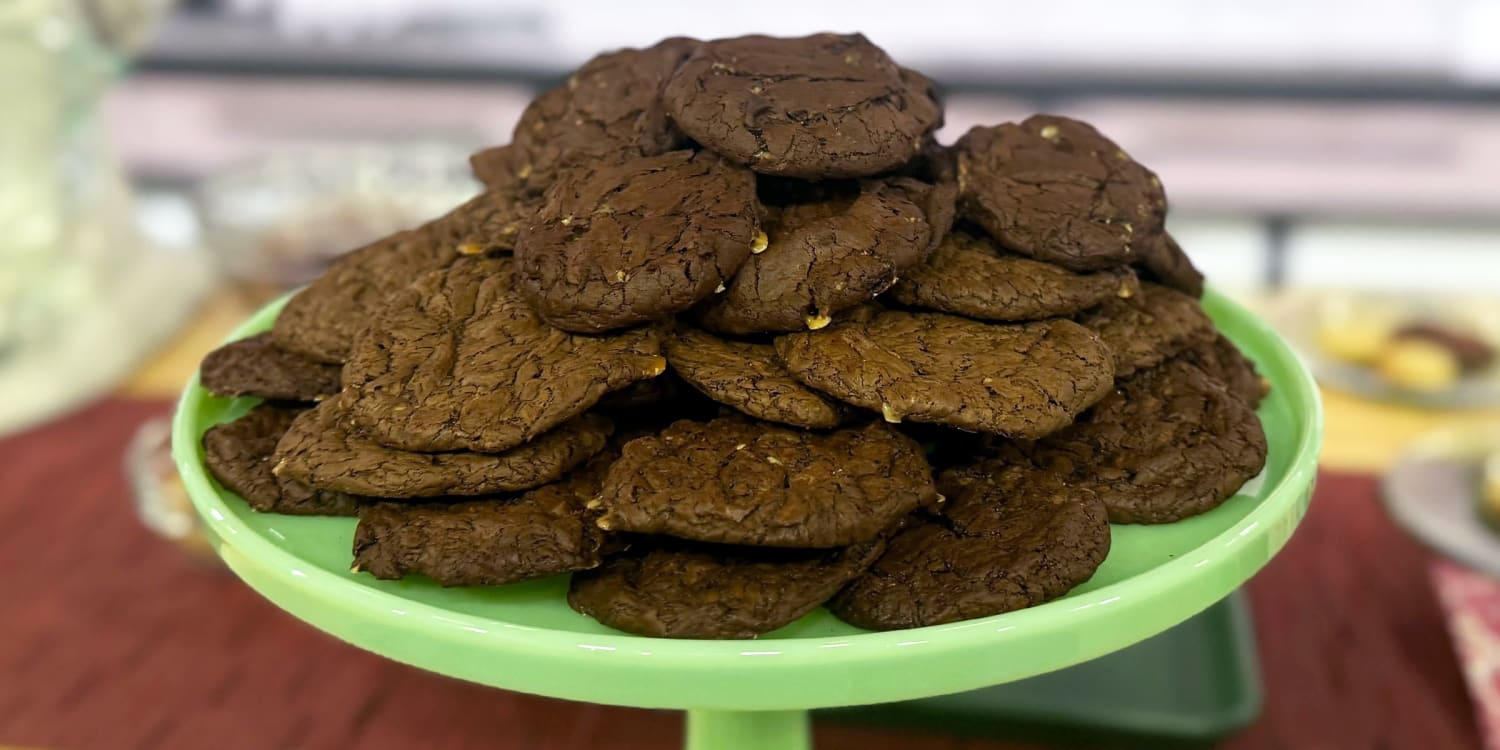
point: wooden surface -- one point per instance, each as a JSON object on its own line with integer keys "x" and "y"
{"x": 1368, "y": 436}
{"x": 122, "y": 641}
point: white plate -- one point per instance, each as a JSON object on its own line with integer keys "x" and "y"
{"x": 1434, "y": 492}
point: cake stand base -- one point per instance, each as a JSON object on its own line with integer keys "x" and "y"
{"x": 1187, "y": 687}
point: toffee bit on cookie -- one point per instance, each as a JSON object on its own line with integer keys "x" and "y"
{"x": 832, "y": 248}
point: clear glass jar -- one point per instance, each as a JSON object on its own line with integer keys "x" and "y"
{"x": 74, "y": 310}
{"x": 66, "y": 222}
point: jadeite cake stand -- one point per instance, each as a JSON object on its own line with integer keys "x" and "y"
{"x": 756, "y": 694}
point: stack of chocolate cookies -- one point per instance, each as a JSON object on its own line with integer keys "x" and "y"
{"x": 729, "y": 336}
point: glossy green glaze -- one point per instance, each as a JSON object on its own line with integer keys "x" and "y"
{"x": 524, "y": 637}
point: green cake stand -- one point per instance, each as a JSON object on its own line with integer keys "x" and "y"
{"x": 757, "y": 694}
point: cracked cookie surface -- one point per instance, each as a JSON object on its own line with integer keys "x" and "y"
{"x": 1225, "y": 363}
{"x": 825, "y": 257}
{"x": 1020, "y": 380}
{"x": 814, "y": 107}
{"x": 1169, "y": 443}
{"x": 618, "y": 244}
{"x": 1011, "y": 536}
{"x": 679, "y": 590}
{"x": 732, "y": 481}
{"x": 609, "y": 107}
{"x": 1056, "y": 190}
{"x": 970, "y": 274}
{"x": 321, "y": 321}
{"x": 748, "y": 377}
{"x": 458, "y": 361}
{"x": 320, "y": 450}
{"x": 485, "y": 542}
{"x": 255, "y": 366}
{"x": 1149, "y": 327}
{"x": 240, "y": 455}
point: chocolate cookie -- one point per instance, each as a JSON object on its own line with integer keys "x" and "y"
{"x": 1163, "y": 261}
{"x": 321, "y": 321}
{"x": 1017, "y": 537}
{"x": 1169, "y": 443}
{"x": 238, "y": 454}
{"x": 704, "y": 591}
{"x": 1056, "y": 190}
{"x": 970, "y": 274}
{"x": 320, "y": 451}
{"x": 1149, "y": 327}
{"x": 815, "y": 107}
{"x": 609, "y": 108}
{"x": 1024, "y": 380}
{"x": 488, "y": 542}
{"x": 257, "y": 367}
{"x": 825, "y": 257}
{"x": 732, "y": 481}
{"x": 616, "y": 244}
{"x": 748, "y": 377}
{"x": 1225, "y": 363}
{"x": 458, "y": 361}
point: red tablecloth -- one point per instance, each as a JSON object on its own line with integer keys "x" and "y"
{"x": 112, "y": 639}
